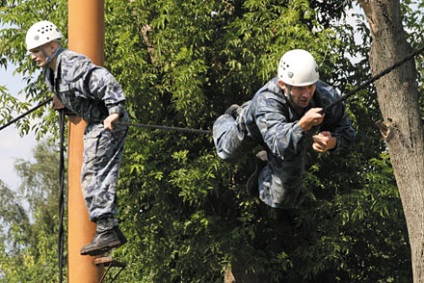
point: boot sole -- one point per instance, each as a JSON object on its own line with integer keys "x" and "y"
{"x": 106, "y": 248}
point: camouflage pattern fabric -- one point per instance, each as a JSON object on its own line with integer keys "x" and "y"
{"x": 89, "y": 91}
{"x": 99, "y": 175}
{"x": 269, "y": 120}
{"x": 92, "y": 93}
{"x": 230, "y": 136}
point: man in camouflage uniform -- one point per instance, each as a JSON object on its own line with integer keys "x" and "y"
{"x": 285, "y": 116}
{"x": 91, "y": 92}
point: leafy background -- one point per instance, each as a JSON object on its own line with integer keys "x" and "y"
{"x": 187, "y": 213}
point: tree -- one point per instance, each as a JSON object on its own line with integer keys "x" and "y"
{"x": 187, "y": 213}
{"x": 30, "y": 222}
{"x": 402, "y": 127}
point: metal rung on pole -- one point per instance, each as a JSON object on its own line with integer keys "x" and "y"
{"x": 109, "y": 262}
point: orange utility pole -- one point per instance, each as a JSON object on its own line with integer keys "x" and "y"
{"x": 86, "y": 36}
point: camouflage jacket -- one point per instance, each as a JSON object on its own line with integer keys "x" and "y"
{"x": 272, "y": 122}
{"x": 85, "y": 89}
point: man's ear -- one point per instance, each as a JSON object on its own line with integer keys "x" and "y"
{"x": 53, "y": 46}
{"x": 282, "y": 85}
{"x": 286, "y": 89}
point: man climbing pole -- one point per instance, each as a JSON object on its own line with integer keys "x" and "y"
{"x": 285, "y": 116}
{"x": 92, "y": 93}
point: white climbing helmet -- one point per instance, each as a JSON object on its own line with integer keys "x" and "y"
{"x": 41, "y": 33}
{"x": 298, "y": 68}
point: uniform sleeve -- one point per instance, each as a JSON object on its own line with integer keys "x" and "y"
{"x": 282, "y": 137}
{"x": 336, "y": 121}
{"x": 340, "y": 127}
{"x": 103, "y": 85}
{"x": 94, "y": 82}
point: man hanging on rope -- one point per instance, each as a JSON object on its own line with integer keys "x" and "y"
{"x": 91, "y": 92}
{"x": 285, "y": 116}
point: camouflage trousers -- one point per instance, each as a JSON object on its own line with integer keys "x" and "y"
{"x": 99, "y": 174}
{"x": 231, "y": 138}
{"x": 280, "y": 182}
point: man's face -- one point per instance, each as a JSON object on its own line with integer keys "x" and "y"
{"x": 300, "y": 95}
{"x": 38, "y": 56}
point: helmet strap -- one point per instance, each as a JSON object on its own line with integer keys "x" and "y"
{"x": 50, "y": 58}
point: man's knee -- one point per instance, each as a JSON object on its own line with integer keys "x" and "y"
{"x": 281, "y": 195}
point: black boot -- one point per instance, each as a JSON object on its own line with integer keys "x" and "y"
{"x": 252, "y": 182}
{"x": 233, "y": 110}
{"x": 104, "y": 241}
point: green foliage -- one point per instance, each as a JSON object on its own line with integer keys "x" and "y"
{"x": 187, "y": 213}
{"x": 30, "y": 221}
{"x": 15, "y": 19}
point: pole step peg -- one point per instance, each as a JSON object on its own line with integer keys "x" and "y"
{"x": 108, "y": 262}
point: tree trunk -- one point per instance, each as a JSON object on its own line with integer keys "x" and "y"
{"x": 402, "y": 127}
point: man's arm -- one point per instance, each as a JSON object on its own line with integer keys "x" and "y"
{"x": 336, "y": 121}
{"x": 341, "y": 128}
{"x": 280, "y": 133}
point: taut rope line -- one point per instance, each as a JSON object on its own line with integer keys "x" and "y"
{"x": 376, "y": 77}
{"x": 188, "y": 130}
{"x": 26, "y": 113}
{"x": 197, "y": 131}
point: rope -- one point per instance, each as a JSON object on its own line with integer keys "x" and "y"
{"x": 326, "y": 108}
{"x": 187, "y": 130}
{"x": 373, "y": 79}
{"x": 26, "y": 113}
{"x": 61, "y": 192}
{"x": 197, "y": 131}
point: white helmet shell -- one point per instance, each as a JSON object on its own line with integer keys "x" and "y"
{"x": 298, "y": 68}
{"x": 41, "y": 33}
